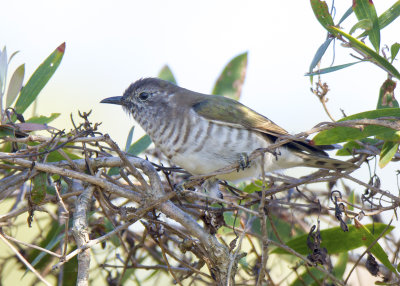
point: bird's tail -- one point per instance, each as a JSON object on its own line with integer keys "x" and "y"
{"x": 325, "y": 162}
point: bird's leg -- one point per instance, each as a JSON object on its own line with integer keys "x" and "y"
{"x": 184, "y": 185}
{"x": 244, "y": 161}
{"x": 211, "y": 187}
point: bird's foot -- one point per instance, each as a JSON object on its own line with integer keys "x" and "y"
{"x": 244, "y": 161}
{"x": 184, "y": 185}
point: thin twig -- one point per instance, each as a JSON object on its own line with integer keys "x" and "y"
{"x": 23, "y": 260}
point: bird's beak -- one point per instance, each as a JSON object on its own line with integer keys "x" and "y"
{"x": 113, "y": 100}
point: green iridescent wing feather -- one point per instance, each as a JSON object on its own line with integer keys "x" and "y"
{"x": 218, "y": 108}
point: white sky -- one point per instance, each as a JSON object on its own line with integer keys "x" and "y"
{"x": 110, "y": 44}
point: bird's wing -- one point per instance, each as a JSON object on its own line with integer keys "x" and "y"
{"x": 226, "y": 110}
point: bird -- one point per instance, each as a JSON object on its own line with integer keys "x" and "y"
{"x": 204, "y": 133}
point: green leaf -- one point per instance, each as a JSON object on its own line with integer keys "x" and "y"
{"x": 386, "y": 95}
{"x": 374, "y": 57}
{"x": 3, "y": 70}
{"x": 388, "y": 151}
{"x": 345, "y": 15}
{"x": 38, "y": 191}
{"x": 129, "y": 139}
{"x": 230, "y": 218}
{"x": 166, "y": 74}
{"x": 331, "y": 69}
{"x": 394, "y": 49}
{"x": 308, "y": 278}
{"x": 230, "y": 82}
{"x": 7, "y": 131}
{"x": 348, "y": 148}
{"x": 114, "y": 238}
{"x": 140, "y": 145}
{"x": 135, "y": 149}
{"x": 365, "y": 9}
{"x": 57, "y": 157}
{"x": 15, "y": 84}
{"x": 255, "y": 186}
{"x": 368, "y": 238}
{"x": 319, "y": 54}
{"x": 70, "y": 269}
{"x": 389, "y": 15}
{"x": 365, "y": 24}
{"x": 352, "y": 200}
{"x": 340, "y": 265}
{"x": 343, "y": 134}
{"x": 335, "y": 240}
{"x": 321, "y": 11}
{"x": 40, "y": 259}
{"x": 285, "y": 229}
{"x": 39, "y": 79}
{"x": 43, "y": 119}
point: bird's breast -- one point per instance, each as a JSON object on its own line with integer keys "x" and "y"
{"x": 201, "y": 146}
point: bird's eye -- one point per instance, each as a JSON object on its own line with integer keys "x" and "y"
{"x": 143, "y": 96}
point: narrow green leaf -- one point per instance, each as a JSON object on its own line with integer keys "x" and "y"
{"x": 341, "y": 264}
{"x": 3, "y": 70}
{"x": 394, "y": 49}
{"x": 352, "y": 200}
{"x": 348, "y": 148}
{"x": 43, "y": 119}
{"x": 39, "y": 79}
{"x": 70, "y": 269}
{"x": 114, "y": 238}
{"x": 135, "y": 149}
{"x": 11, "y": 57}
{"x": 389, "y": 15}
{"x": 140, "y": 145}
{"x": 319, "y": 54}
{"x": 231, "y": 80}
{"x": 57, "y": 157}
{"x": 311, "y": 276}
{"x": 345, "y": 15}
{"x": 368, "y": 238}
{"x": 15, "y": 85}
{"x": 40, "y": 259}
{"x": 335, "y": 240}
{"x": 365, "y": 24}
{"x": 386, "y": 95}
{"x": 374, "y": 57}
{"x": 331, "y": 69}
{"x": 255, "y": 186}
{"x": 365, "y": 9}
{"x": 343, "y": 134}
{"x": 129, "y": 139}
{"x": 166, "y": 74}
{"x": 388, "y": 151}
{"x": 38, "y": 191}
{"x": 285, "y": 229}
{"x": 7, "y": 131}
{"x": 321, "y": 11}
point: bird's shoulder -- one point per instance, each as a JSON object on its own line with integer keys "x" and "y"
{"x": 224, "y": 110}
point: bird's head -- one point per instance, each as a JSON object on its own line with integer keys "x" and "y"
{"x": 148, "y": 96}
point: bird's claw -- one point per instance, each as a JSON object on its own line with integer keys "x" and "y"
{"x": 244, "y": 161}
{"x": 184, "y": 185}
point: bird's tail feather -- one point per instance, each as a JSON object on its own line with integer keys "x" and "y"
{"x": 324, "y": 162}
